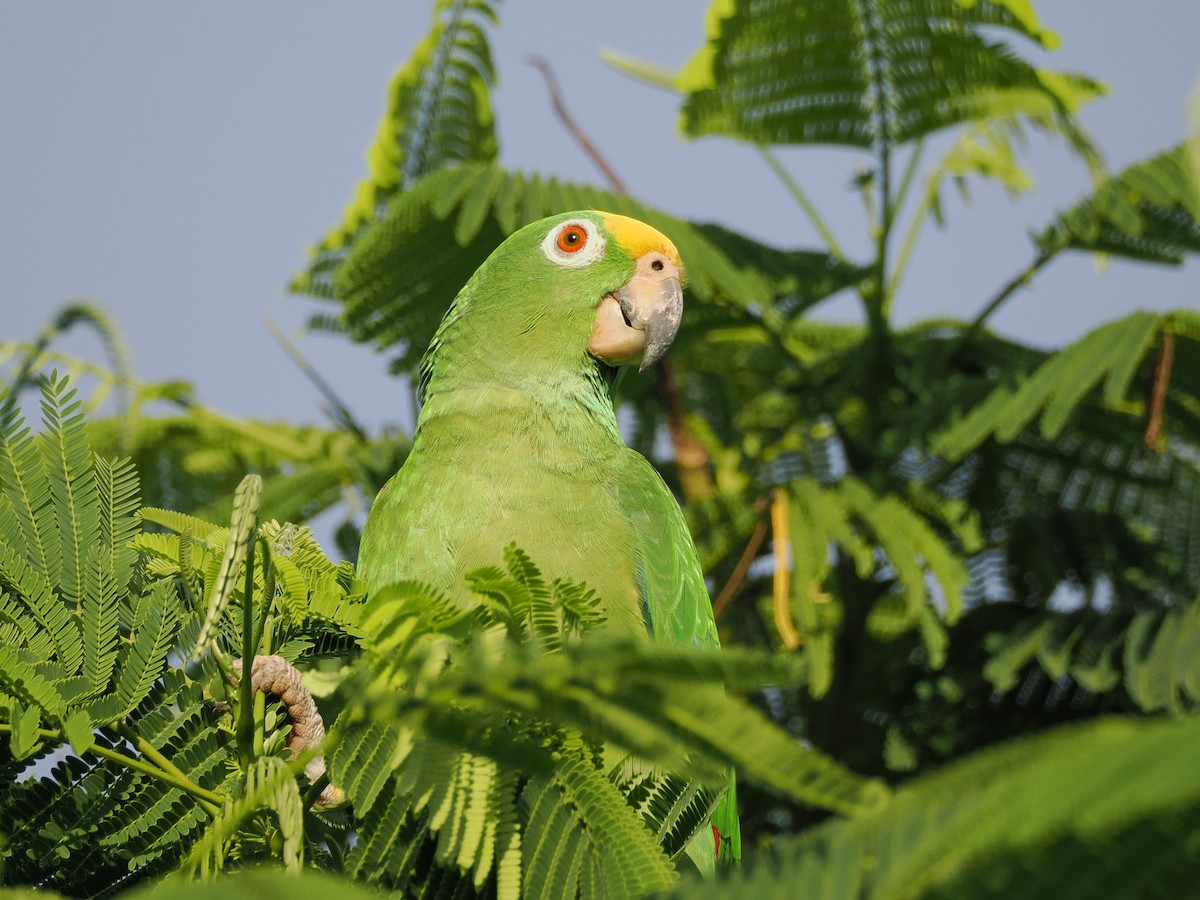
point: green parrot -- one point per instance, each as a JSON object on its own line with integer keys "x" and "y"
{"x": 517, "y": 440}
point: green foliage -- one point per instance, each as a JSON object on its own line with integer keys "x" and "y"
{"x": 934, "y": 491}
{"x": 890, "y": 72}
{"x": 438, "y": 114}
{"x": 1148, "y": 212}
{"x": 1153, "y": 654}
{"x": 1107, "y": 358}
{"x": 96, "y": 616}
{"x": 510, "y": 745}
{"x": 960, "y": 829}
{"x": 479, "y": 740}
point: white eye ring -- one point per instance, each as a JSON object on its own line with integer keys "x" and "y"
{"x": 591, "y": 250}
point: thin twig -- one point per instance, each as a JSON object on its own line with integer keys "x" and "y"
{"x": 339, "y": 411}
{"x": 803, "y": 201}
{"x": 906, "y": 180}
{"x": 172, "y": 776}
{"x": 1022, "y": 279}
{"x": 1158, "y": 391}
{"x": 748, "y": 556}
{"x": 584, "y": 142}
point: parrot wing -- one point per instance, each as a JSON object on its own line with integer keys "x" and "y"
{"x": 676, "y": 609}
{"x": 675, "y": 604}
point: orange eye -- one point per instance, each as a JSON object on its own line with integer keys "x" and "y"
{"x": 572, "y": 239}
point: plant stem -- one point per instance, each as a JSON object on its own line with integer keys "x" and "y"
{"x": 338, "y": 410}
{"x": 577, "y": 133}
{"x": 1020, "y": 280}
{"x": 169, "y": 774}
{"x": 761, "y": 505}
{"x": 877, "y": 303}
{"x": 1158, "y": 392}
{"x": 910, "y": 240}
{"x": 801, "y": 198}
{"x": 918, "y": 221}
{"x": 152, "y": 753}
{"x": 883, "y": 299}
{"x": 906, "y": 180}
{"x": 261, "y": 638}
{"x": 245, "y": 720}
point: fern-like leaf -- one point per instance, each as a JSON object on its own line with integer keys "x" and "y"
{"x": 862, "y": 74}
{"x": 1103, "y": 776}
{"x": 439, "y": 115}
{"x": 1149, "y": 212}
{"x": 241, "y": 533}
{"x": 67, "y": 464}
{"x": 1107, "y": 358}
{"x": 269, "y": 784}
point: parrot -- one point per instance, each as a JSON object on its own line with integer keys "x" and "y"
{"x": 517, "y": 441}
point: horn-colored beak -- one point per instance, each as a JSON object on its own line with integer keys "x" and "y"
{"x": 638, "y": 321}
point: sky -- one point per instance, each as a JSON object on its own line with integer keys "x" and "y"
{"x": 174, "y": 163}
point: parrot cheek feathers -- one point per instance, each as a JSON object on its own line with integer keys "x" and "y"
{"x": 613, "y": 341}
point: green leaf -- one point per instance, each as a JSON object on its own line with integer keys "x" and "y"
{"x": 268, "y": 784}
{"x": 629, "y": 866}
{"x": 1150, "y": 212}
{"x": 241, "y": 533}
{"x": 362, "y": 761}
{"x": 68, "y": 467}
{"x": 438, "y": 116}
{"x": 1110, "y": 353}
{"x": 100, "y": 609}
{"x": 77, "y": 726}
{"x": 180, "y": 522}
{"x": 21, "y": 680}
{"x": 861, "y": 74}
{"x": 36, "y": 595}
{"x": 141, "y": 661}
{"x": 23, "y": 738}
{"x": 1102, "y": 777}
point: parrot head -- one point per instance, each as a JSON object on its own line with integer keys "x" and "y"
{"x": 636, "y": 322}
{"x": 565, "y": 292}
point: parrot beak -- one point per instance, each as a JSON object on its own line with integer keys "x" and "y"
{"x": 639, "y": 319}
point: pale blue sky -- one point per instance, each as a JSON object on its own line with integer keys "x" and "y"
{"x": 174, "y": 163}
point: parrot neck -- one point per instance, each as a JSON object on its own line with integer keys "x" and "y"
{"x": 574, "y": 404}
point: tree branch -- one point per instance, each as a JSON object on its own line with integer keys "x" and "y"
{"x": 748, "y": 556}
{"x": 1158, "y": 391}
{"x": 577, "y": 133}
{"x": 1021, "y": 280}
{"x": 173, "y": 776}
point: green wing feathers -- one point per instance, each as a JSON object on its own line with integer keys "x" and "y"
{"x": 676, "y": 608}
{"x": 675, "y": 600}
